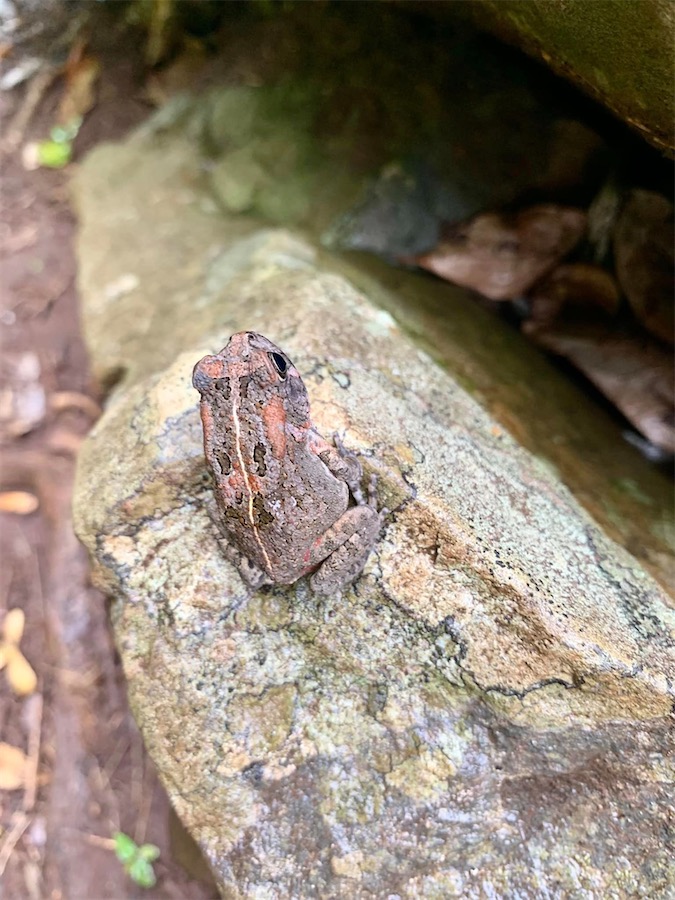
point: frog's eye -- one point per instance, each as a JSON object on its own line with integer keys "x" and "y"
{"x": 279, "y": 364}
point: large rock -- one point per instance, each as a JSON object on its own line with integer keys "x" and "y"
{"x": 620, "y": 53}
{"x": 486, "y": 710}
{"x": 379, "y": 738}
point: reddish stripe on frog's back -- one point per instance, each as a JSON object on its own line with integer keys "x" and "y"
{"x": 274, "y": 419}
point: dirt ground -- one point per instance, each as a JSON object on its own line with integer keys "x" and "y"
{"x": 88, "y": 774}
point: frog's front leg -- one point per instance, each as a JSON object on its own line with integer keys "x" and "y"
{"x": 345, "y": 465}
{"x": 344, "y": 548}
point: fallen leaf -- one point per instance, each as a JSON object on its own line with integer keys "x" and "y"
{"x": 644, "y": 252}
{"x": 501, "y": 256}
{"x": 13, "y": 625}
{"x": 23, "y": 399}
{"x": 13, "y": 767}
{"x": 575, "y": 292}
{"x": 21, "y": 503}
{"x": 61, "y": 400}
{"x": 65, "y": 442}
{"x": 636, "y": 375}
{"x": 20, "y": 674}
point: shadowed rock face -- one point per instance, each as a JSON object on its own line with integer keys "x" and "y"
{"x": 619, "y": 53}
{"x": 486, "y": 710}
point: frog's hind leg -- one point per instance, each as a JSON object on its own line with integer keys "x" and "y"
{"x": 344, "y": 549}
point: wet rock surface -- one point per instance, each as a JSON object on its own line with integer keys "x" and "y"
{"x": 487, "y": 708}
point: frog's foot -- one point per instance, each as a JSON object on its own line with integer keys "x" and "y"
{"x": 252, "y": 574}
{"x": 344, "y": 548}
{"x": 353, "y": 475}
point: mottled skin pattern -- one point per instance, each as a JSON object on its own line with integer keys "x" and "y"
{"x": 288, "y": 501}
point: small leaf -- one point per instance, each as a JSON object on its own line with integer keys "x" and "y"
{"x": 20, "y": 674}
{"x": 13, "y": 625}
{"x": 149, "y": 852}
{"x": 12, "y": 767}
{"x": 53, "y": 155}
{"x": 21, "y": 503}
{"x": 125, "y": 847}
{"x": 142, "y": 873}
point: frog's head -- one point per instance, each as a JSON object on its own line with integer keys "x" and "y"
{"x": 257, "y": 374}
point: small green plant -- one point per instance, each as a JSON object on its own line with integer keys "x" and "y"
{"x": 137, "y": 861}
{"x": 55, "y": 152}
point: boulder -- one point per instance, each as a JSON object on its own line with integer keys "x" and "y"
{"x": 619, "y": 53}
{"x": 487, "y": 708}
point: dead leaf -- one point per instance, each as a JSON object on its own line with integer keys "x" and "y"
{"x": 65, "y": 443}
{"x": 501, "y": 256}
{"x": 575, "y": 292}
{"x": 13, "y": 767}
{"x": 636, "y": 375}
{"x": 644, "y": 251}
{"x": 62, "y": 400}
{"x": 21, "y": 503}
{"x": 23, "y": 401}
{"x": 13, "y": 625}
{"x": 20, "y": 674}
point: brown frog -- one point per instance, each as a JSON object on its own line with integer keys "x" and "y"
{"x": 289, "y": 503}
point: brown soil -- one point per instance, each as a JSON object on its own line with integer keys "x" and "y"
{"x": 91, "y": 775}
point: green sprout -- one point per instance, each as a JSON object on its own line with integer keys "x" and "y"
{"x": 137, "y": 861}
{"x": 56, "y": 152}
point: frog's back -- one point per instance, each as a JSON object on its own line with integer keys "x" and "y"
{"x": 293, "y": 515}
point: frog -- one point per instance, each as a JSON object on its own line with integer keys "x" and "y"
{"x": 288, "y": 503}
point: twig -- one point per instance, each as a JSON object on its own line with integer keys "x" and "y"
{"x": 145, "y": 807}
{"x": 30, "y": 789}
{"x": 116, "y": 756}
{"x": 98, "y": 841}
{"x": 61, "y": 400}
{"x": 105, "y": 787}
{"x": 12, "y": 838}
{"x": 38, "y": 87}
{"x": 137, "y": 777}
